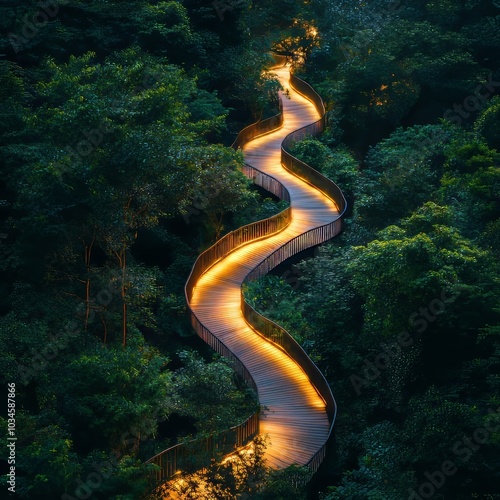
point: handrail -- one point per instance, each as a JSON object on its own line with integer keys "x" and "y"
{"x": 313, "y": 237}
{"x": 243, "y": 235}
{"x": 168, "y": 459}
{"x": 298, "y": 167}
{"x": 303, "y": 88}
{"x": 197, "y": 453}
{"x": 259, "y": 128}
{"x": 280, "y": 337}
{"x": 172, "y": 459}
{"x": 262, "y": 127}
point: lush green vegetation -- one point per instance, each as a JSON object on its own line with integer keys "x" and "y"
{"x": 116, "y": 173}
{"x": 402, "y": 311}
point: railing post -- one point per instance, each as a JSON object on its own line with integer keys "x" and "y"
{"x": 169, "y": 459}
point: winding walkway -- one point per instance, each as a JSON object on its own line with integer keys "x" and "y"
{"x": 295, "y": 418}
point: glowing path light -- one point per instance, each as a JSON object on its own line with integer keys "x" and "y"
{"x": 296, "y": 421}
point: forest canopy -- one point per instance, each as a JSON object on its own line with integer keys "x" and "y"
{"x": 116, "y": 172}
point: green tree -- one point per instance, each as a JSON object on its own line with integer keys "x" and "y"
{"x": 401, "y": 172}
{"x": 193, "y": 394}
{"x": 221, "y": 187}
{"x": 471, "y": 183}
{"x": 484, "y": 125}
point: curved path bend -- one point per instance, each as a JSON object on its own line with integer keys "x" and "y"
{"x": 295, "y": 420}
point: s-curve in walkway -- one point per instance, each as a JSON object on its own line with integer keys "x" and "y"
{"x": 295, "y": 418}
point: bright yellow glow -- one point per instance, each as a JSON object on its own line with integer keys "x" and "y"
{"x": 312, "y": 31}
{"x": 300, "y": 45}
{"x": 173, "y": 490}
{"x": 296, "y": 421}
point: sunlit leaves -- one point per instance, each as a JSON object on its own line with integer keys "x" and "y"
{"x": 485, "y": 124}
{"x": 473, "y": 173}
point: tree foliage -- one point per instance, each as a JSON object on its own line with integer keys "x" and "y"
{"x": 115, "y": 173}
{"x": 401, "y": 311}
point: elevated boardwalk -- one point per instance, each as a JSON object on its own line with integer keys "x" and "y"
{"x": 295, "y": 420}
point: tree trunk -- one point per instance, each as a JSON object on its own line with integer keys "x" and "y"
{"x": 105, "y": 328}
{"x": 88, "y": 254}
{"x": 122, "y": 262}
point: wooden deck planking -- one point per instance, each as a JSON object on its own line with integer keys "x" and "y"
{"x": 295, "y": 419}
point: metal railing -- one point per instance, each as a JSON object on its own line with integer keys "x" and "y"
{"x": 259, "y": 128}
{"x": 261, "y": 324}
{"x": 189, "y": 457}
{"x": 267, "y": 125}
{"x": 267, "y": 182}
{"x": 237, "y": 238}
{"x": 198, "y": 453}
{"x": 298, "y": 167}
